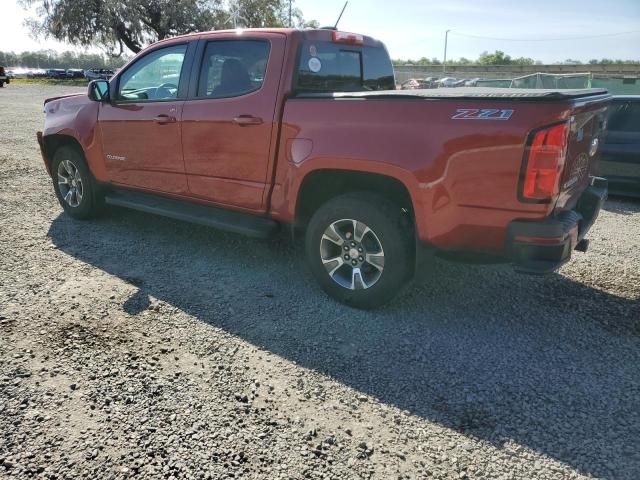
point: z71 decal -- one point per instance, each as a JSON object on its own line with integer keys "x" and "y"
{"x": 482, "y": 114}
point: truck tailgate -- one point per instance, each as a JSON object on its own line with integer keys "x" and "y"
{"x": 586, "y": 134}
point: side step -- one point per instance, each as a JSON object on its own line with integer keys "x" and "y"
{"x": 245, "y": 224}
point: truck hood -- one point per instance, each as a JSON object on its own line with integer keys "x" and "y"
{"x": 51, "y": 99}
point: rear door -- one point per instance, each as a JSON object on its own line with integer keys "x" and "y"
{"x": 229, "y": 121}
{"x": 141, "y": 126}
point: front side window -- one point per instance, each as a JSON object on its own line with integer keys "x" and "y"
{"x": 231, "y": 68}
{"x": 155, "y": 77}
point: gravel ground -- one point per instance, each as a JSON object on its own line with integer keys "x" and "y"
{"x": 135, "y": 346}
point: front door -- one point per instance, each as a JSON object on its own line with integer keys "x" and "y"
{"x": 141, "y": 126}
{"x": 227, "y": 128}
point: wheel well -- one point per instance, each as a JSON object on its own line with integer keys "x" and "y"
{"x": 54, "y": 142}
{"x": 320, "y": 186}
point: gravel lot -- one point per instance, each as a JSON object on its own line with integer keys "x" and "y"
{"x": 135, "y": 346}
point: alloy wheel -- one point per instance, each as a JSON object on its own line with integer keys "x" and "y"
{"x": 70, "y": 183}
{"x": 352, "y": 254}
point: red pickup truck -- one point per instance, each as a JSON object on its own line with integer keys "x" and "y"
{"x": 254, "y": 131}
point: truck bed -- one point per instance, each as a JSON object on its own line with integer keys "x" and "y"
{"x": 469, "y": 93}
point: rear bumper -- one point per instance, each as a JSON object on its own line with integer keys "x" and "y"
{"x": 543, "y": 247}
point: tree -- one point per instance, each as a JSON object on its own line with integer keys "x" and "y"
{"x": 266, "y": 13}
{"x": 52, "y": 59}
{"x": 496, "y": 58}
{"x": 116, "y": 24}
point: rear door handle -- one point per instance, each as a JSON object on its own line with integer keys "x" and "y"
{"x": 246, "y": 120}
{"x": 164, "y": 119}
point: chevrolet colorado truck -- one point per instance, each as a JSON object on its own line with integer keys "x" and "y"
{"x": 253, "y": 131}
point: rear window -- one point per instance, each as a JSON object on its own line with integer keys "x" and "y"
{"x": 333, "y": 67}
{"x": 624, "y": 117}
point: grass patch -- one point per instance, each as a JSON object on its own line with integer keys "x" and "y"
{"x": 72, "y": 82}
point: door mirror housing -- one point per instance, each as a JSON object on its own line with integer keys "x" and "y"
{"x": 99, "y": 91}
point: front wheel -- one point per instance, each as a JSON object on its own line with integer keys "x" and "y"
{"x": 360, "y": 248}
{"x": 74, "y": 185}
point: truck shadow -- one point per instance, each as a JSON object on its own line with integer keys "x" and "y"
{"x": 501, "y": 357}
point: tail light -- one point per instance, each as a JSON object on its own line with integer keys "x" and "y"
{"x": 544, "y": 160}
{"x": 348, "y": 38}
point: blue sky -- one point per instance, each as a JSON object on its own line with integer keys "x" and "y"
{"x": 416, "y": 28}
{"x": 412, "y": 29}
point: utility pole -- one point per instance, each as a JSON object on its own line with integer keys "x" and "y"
{"x": 444, "y": 63}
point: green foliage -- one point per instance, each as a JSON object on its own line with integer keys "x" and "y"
{"x": 265, "y": 13}
{"x": 500, "y": 58}
{"x": 132, "y": 24}
{"x": 51, "y": 59}
{"x": 76, "y": 82}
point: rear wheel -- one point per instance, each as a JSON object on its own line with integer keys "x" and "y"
{"x": 74, "y": 185}
{"x": 360, "y": 249}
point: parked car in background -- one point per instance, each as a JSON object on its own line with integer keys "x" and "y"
{"x": 57, "y": 73}
{"x": 620, "y": 158}
{"x": 75, "y": 73}
{"x": 417, "y": 84}
{"x": 36, "y": 73}
{"x": 4, "y": 78}
{"x": 98, "y": 74}
{"x": 447, "y": 82}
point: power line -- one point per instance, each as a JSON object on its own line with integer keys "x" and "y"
{"x": 543, "y": 39}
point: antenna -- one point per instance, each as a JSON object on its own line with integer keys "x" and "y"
{"x": 335, "y": 27}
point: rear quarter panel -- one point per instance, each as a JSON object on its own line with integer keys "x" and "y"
{"x": 462, "y": 175}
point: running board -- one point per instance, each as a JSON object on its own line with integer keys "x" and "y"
{"x": 245, "y": 224}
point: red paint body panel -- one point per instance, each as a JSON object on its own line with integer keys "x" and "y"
{"x": 139, "y": 152}
{"x": 227, "y": 163}
{"x": 462, "y": 175}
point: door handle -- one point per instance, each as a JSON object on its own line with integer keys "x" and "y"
{"x": 164, "y": 119}
{"x": 246, "y": 120}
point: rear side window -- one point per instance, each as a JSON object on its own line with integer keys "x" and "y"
{"x": 332, "y": 67}
{"x": 624, "y": 117}
{"x": 231, "y": 68}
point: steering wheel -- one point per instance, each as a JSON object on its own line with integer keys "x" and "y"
{"x": 164, "y": 90}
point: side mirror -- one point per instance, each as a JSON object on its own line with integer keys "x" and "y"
{"x": 99, "y": 90}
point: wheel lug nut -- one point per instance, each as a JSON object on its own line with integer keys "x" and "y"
{"x": 353, "y": 244}
{"x": 346, "y": 257}
{"x": 354, "y": 263}
{"x": 360, "y": 249}
{"x": 346, "y": 248}
{"x": 361, "y": 258}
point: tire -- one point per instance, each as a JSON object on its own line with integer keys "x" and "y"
{"x": 380, "y": 244}
{"x": 74, "y": 185}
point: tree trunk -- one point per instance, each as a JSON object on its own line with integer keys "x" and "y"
{"x": 125, "y": 37}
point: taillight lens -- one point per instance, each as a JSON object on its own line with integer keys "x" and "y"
{"x": 545, "y": 160}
